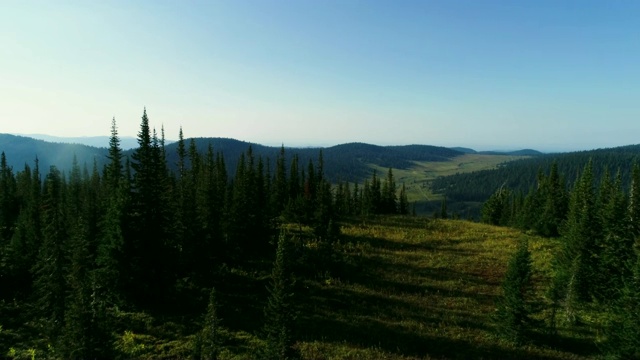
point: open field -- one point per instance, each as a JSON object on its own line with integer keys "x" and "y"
{"x": 412, "y": 288}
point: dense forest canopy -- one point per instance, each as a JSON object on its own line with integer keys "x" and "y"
{"x": 83, "y": 252}
{"x": 521, "y": 175}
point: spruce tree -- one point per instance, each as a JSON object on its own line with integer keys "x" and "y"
{"x": 150, "y": 255}
{"x": 494, "y": 210}
{"x": 27, "y": 237}
{"x": 210, "y": 340}
{"x": 403, "y": 203}
{"x": 615, "y": 246}
{"x": 279, "y": 312}
{"x": 575, "y": 263}
{"x": 388, "y": 195}
{"x": 513, "y": 312}
{"x": 49, "y": 269}
{"x": 443, "y": 209}
{"x": 554, "y": 204}
{"x": 9, "y": 212}
{"x": 634, "y": 201}
{"x": 623, "y": 330}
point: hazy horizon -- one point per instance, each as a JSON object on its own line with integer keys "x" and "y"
{"x": 129, "y": 142}
{"x": 547, "y": 75}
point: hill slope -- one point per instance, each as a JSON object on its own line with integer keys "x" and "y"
{"x": 20, "y": 150}
{"x": 521, "y": 175}
{"x": 349, "y": 162}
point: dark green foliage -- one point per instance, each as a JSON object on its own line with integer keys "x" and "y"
{"x": 623, "y": 330}
{"x": 522, "y": 175}
{"x": 513, "y": 313}
{"x": 615, "y": 246}
{"x": 49, "y": 269}
{"x": 152, "y": 253}
{"x": 403, "y": 203}
{"x": 85, "y": 249}
{"x": 118, "y": 262}
{"x": 279, "y": 312}
{"x": 209, "y": 339}
{"x": 389, "y": 198}
{"x": 496, "y": 210}
{"x": 443, "y": 209}
{"x": 634, "y": 200}
{"x": 581, "y": 234}
{"x": 553, "y": 202}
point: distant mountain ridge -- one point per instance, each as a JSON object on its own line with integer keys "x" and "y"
{"x": 522, "y": 152}
{"x": 347, "y": 162}
{"x": 22, "y": 150}
{"x": 126, "y": 142}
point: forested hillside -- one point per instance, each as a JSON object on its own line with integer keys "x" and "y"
{"x": 88, "y": 255}
{"x": 20, "y": 150}
{"x": 521, "y": 175}
{"x": 598, "y": 262}
{"x": 347, "y": 162}
{"x": 138, "y": 260}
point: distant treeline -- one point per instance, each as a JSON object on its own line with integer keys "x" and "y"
{"x": 521, "y": 175}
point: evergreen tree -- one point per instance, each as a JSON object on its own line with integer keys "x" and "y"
{"x": 151, "y": 258}
{"x": 388, "y": 195}
{"x": 49, "y": 270}
{"x": 113, "y": 175}
{"x": 211, "y": 343}
{"x": 403, "y": 204}
{"x": 554, "y": 204}
{"x": 623, "y": 330}
{"x": 8, "y": 215}
{"x": 615, "y": 246}
{"x": 375, "y": 196}
{"x": 8, "y": 203}
{"x": 443, "y": 209}
{"x": 27, "y": 237}
{"x": 279, "y": 311}
{"x": 280, "y": 193}
{"x": 575, "y": 264}
{"x": 79, "y": 339}
{"x": 496, "y": 209}
{"x": 634, "y": 202}
{"x": 513, "y": 312}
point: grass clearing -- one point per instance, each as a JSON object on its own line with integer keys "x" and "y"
{"x": 419, "y": 177}
{"x": 421, "y": 289}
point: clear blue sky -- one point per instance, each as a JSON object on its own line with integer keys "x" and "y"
{"x": 544, "y": 74}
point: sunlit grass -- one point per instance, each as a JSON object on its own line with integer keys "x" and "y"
{"x": 418, "y": 178}
{"x": 418, "y": 289}
{"x": 390, "y": 288}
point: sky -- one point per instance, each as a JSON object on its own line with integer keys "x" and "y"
{"x": 551, "y": 75}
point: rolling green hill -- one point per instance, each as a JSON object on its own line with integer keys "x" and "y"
{"x": 477, "y": 186}
{"x": 20, "y": 150}
{"x": 347, "y": 162}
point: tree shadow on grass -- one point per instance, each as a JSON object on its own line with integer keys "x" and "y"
{"x": 371, "y": 333}
{"x": 378, "y": 244}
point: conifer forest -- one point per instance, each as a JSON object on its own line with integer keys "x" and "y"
{"x": 144, "y": 259}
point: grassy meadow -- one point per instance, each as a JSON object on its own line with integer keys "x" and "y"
{"x": 405, "y": 288}
{"x": 418, "y": 178}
